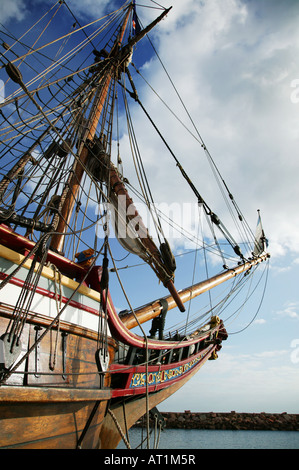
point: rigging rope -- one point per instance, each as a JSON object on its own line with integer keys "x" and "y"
{"x": 260, "y": 304}
{"x": 140, "y": 171}
{"x": 146, "y": 343}
{"x": 200, "y": 200}
{"x": 211, "y": 160}
{"x": 110, "y": 412}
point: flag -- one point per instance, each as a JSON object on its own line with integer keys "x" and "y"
{"x": 260, "y": 242}
{"x": 135, "y": 23}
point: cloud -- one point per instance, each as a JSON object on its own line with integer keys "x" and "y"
{"x": 246, "y": 383}
{"x": 85, "y": 9}
{"x": 260, "y": 321}
{"x": 233, "y": 63}
{"x": 12, "y": 10}
{"x": 291, "y": 310}
{"x": 275, "y": 353}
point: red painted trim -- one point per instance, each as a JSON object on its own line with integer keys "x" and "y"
{"x": 120, "y": 332}
{"x": 17, "y": 242}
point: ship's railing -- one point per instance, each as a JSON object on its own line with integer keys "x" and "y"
{"x": 132, "y": 355}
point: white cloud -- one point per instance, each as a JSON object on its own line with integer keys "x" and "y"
{"x": 12, "y": 9}
{"x": 276, "y": 353}
{"x": 260, "y": 321}
{"x": 234, "y": 71}
{"x": 84, "y": 9}
{"x": 245, "y": 383}
{"x": 291, "y": 310}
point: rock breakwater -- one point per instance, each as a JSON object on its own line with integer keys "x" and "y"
{"x": 231, "y": 421}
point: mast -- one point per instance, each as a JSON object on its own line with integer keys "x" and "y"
{"x": 152, "y": 310}
{"x": 75, "y": 179}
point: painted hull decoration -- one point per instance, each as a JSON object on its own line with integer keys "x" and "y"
{"x": 162, "y": 376}
{"x": 78, "y": 369}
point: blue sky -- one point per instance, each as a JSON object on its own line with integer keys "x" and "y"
{"x": 235, "y": 64}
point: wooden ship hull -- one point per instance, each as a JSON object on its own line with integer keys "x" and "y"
{"x": 54, "y": 418}
{"x": 49, "y": 398}
{"x": 57, "y": 397}
{"x": 51, "y": 417}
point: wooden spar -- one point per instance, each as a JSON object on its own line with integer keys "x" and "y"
{"x": 142, "y": 33}
{"x": 152, "y": 310}
{"x": 78, "y": 170}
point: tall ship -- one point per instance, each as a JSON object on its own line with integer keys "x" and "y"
{"x": 101, "y": 313}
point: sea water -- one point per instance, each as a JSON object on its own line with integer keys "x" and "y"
{"x": 215, "y": 439}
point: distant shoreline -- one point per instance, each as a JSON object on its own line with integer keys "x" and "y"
{"x": 227, "y": 421}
